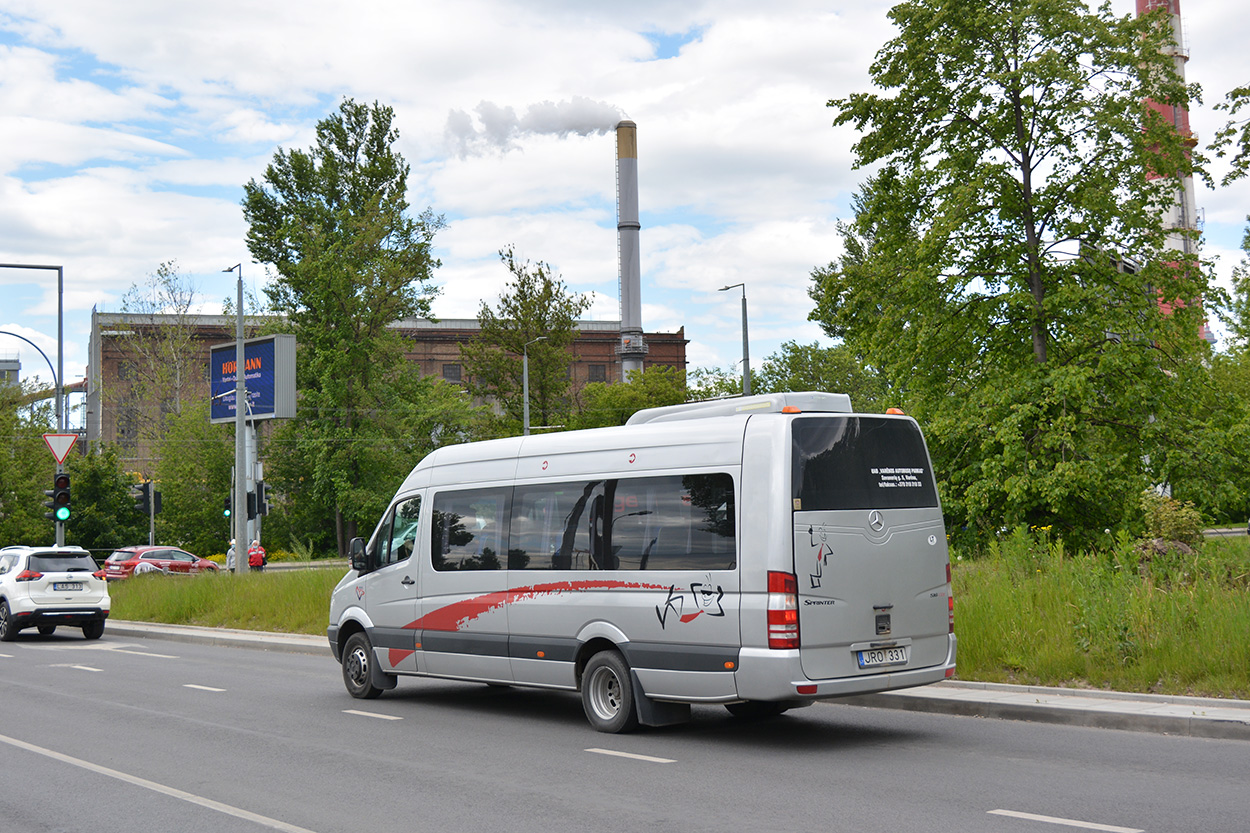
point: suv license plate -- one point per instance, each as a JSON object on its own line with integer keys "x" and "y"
{"x": 877, "y": 657}
{"x": 67, "y": 585}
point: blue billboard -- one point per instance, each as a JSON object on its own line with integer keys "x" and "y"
{"x": 268, "y": 376}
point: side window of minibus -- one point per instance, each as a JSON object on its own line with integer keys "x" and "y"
{"x": 469, "y": 530}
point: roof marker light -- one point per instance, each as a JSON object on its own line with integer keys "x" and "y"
{"x": 895, "y": 411}
{"x": 791, "y": 409}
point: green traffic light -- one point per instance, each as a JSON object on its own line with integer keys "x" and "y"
{"x": 62, "y": 513}
{"x": 226, "y": 513}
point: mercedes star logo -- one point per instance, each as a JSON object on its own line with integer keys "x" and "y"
{"x": 876, "y": 521}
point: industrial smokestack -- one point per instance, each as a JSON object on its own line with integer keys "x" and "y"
{"x": 632, "y": 348}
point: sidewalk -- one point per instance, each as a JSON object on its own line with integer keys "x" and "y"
{"x": 1163, "y": 714}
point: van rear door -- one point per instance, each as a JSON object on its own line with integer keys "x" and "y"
{"x": 870, "y": 549}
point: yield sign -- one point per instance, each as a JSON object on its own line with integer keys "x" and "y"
{"x": 60, "y": 444}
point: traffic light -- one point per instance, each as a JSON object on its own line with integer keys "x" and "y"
{"x": 262, "y": 498}
{"x": 226, "y": 509}
{"x": 142, "y": 493}
{"x": 59, "y": 502}
{"x": 251, "y": 505}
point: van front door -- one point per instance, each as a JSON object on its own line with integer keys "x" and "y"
{"x": 389, "y": 593}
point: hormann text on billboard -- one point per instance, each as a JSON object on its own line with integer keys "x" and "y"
{"x": 268, "y": 374}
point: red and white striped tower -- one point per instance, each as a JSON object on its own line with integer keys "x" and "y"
{"x": 1181, "y": 218}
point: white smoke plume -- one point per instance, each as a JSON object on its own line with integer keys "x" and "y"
{"x": 496, "y": 128}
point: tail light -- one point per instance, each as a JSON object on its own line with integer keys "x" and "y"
{"x": 100, "y": 574}
{"x": 783, "y": 611}
{"x": 28, "y": 575}
{"x": 950, "y": 601}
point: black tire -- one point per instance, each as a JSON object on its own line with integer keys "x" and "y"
{"x": 93, "y": 630}
{"x": 8, "y": 629}
{"x": 756, "y": 708}
{"x": 608, "y": 694}
{"x": 47, "y": 630}
{"x": 357, "y": 663}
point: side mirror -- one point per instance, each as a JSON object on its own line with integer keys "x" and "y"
{"x": 356, "y": 551}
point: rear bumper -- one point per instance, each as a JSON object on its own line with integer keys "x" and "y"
{"x": 59, "y": 616}
{"x": 777, "y": 675}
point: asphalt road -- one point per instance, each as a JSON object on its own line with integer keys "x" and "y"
{"x": 149, "y": 735}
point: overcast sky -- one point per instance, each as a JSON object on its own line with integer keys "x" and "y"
{"x": 127, "y": 131}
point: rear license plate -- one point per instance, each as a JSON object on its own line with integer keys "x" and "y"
{"x": 67, "y": 585}
{"x": 878, "y": 657}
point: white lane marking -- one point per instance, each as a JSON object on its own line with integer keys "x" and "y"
{"x": 372, "y": 714}
{"x": 143, "y": 653}
{"x": 1088, "y": 825}
{"x": 7, "y": 656}
{"x": 202, "y": 687}
{"x": 647, "y": 758}
{"x": 86, "y": 668}
{"x": 172, "y": 792}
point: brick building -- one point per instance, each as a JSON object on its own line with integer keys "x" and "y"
{"x": 115, "y": 390}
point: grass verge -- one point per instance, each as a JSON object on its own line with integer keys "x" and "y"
{"x": 287, "y": 601}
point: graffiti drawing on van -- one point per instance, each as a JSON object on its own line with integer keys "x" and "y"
{"x": 704, "y": 598}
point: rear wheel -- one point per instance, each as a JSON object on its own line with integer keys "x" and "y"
{"x": 357, "y": 662}
{"x": 47, "y": 630}
{"x": 756, "y": 708}
{"x": 93, "y": 630}
{"x": 8, "y": 630}
{"x": 608, "y": 695}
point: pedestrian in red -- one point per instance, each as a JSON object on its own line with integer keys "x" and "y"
{"x": 257, "y": 558}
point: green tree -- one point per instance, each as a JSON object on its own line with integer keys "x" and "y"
{"x": 104, "y": 516}
{"x": 602, "y": 404}
{"x": 26, "y": 466}
{"x": 534, "y": 304}
{"x": 802, "y": 367}
{"x": 193, "y": 476}
{"x": 988, "y": 279}
{"x": 350, "y": 261}
{"x": 712, "y": 383}
{"x": 159, "y": 340}
{"x": 1234, "y": 136}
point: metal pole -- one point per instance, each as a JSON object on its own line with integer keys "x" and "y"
{"x": 238, "y": 514}
{"x": 525, "y": 391}
{"x": 746, "y": 356}
{"x": 59, "y": 381}
{"x": 525, "y": 385}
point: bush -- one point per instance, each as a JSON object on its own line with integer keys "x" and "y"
{"x": 1171, "y": 520}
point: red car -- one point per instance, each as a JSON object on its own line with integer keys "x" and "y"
{"x": 131, "y": 561}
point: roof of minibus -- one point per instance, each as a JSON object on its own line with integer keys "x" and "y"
{"x": 700, "y": 438}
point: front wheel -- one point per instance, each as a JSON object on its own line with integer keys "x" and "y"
{"x": 357, "y": 662}
{"x": 8, "y": 630}
{"x": 608, "y": 695}
{"x": 92, "y": 630}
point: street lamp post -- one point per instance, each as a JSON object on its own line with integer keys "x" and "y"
{"x": 525, "y": 384}
{"x": 59, "y": 380}
{"x": 746, "y": 356}
{"x": 238, "y": 515}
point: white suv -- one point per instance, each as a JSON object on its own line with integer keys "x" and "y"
{"x": 42, "y": 587}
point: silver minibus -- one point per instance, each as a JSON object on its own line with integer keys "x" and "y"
{"x": 761, "y": 553}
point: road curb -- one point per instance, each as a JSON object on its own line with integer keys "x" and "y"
{"x": 293, "y": 643}
{"x": 1201, "y": 717}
